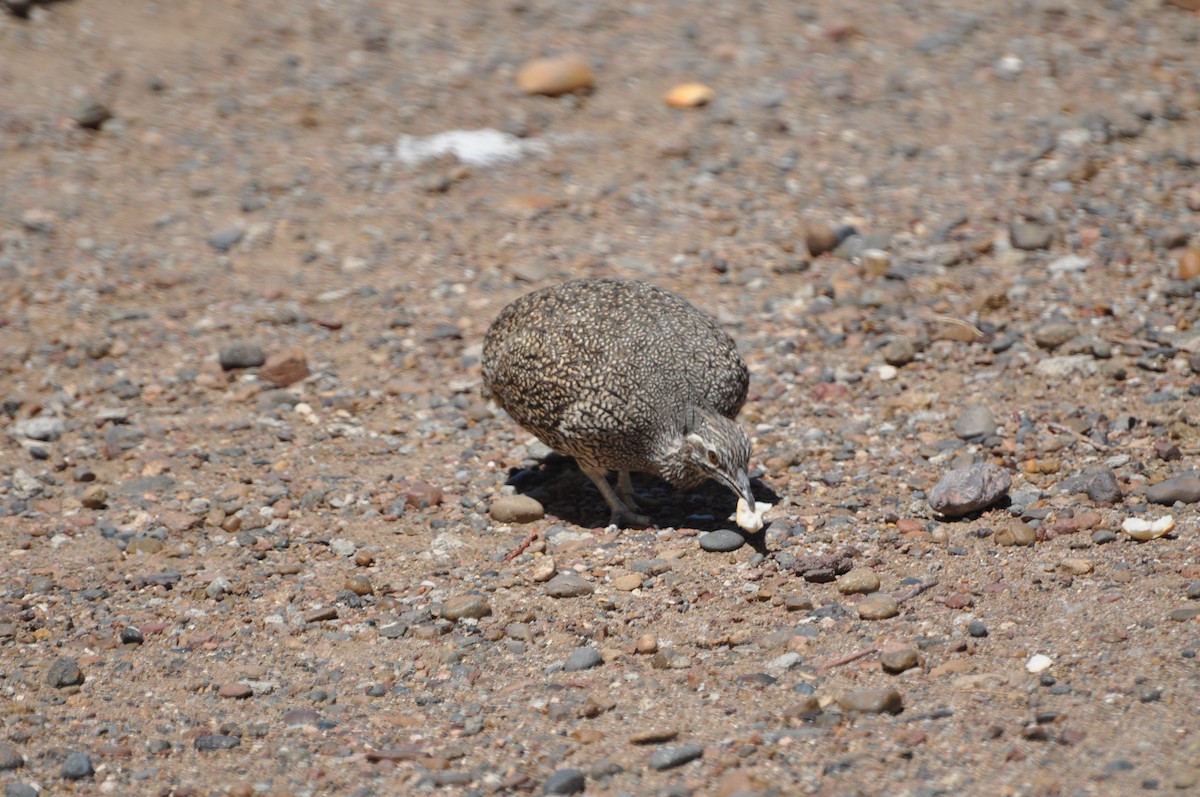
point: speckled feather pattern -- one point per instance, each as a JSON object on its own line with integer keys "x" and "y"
{"x": 608, "y": 370}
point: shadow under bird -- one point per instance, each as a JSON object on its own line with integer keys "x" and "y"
{"x": 625, "y": 376}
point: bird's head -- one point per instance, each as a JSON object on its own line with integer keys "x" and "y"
{"x": 713, "y": 447}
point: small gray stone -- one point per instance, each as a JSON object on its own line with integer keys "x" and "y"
{"x": 1100, "y": 484}
{"x": 1193, "y": 590}
{"x": 64, "y": 672}
{"x": 224, "y": 240}
{"x": 1030, "y": 235}
{"x": 670, "y": 757}
{"x": 976, "y": 420}
{"x": 91, "y": 114}
{"x": 565, "y": 781}
{"x": 20, "y": 790}
{"x": 977, "y": 628}
{"x": 43, "y": 427}
{"x": 899, "y": 351}
{"x": 516, "y": 509}
{"x": 584, "y": 658}
{"x": 969, "y": 489}
{"x": 10, "y": 757}
{"x": 1054, "y": 334}
{"x": 568, "y": 585}
{"x": 77, "y": 766}
{"x": 858, "y": 580}
{"x": 539, "y": 451}
{"x": 241, "y": 354}
{"x": 898, "y": 658}
{"x": 131, "y": 636}
{"x": 721, "y": 541}
{"x": 217, "y": 741}
{"x": 1185, "y": 488}
{"x": 872, "y": 701}
{"x": 1103, "y": 537}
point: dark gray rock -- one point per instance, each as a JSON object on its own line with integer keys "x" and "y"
{"x": 10, "y": 757}
{"x": 91, "y": 114}
{"x": 1100, "y": 484}
{"x": 584, "y": 658}
{"x": 64, "y": 672}
{"x": 565, "y": 781}
{"x": 1185, "y": 488}
{"x": 241, "y": 354}
{"x": 224, "y": 240}
{"x": 969, "y": 489}
{"x": 77, "y": 766}
{"x": 20, "y": 790}
{"x": 217, "y": 741}
{"x": 131, "y": 636}
{"x": 671, "y": 757}
{"x": 722, "y": 540}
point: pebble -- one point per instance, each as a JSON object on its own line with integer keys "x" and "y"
{"x": 721, "y": 541}
{"x": 241, "y": 354}
{"x": 226, "y": 239}
{"x": 554, "y": 76}
{"x": 671, "y": 757}
{"x": 858, "y": 580}
{"x": 17, "y": 789}
{"x": 1038, "y": 662}
{"x": 785, "y": 662}
{"x": 1100, "y": 484}
{"x": 235, "y": 690}
{"x": 45, "y": 428}
{"x": 1103, "y": 537}
{"x": 670, "y": 659}
{"x": 1078, "y": 567}
{"x": 899, "y": 351}
{"x": 466, "y": 606}
{"x": 1193, "y": 590}
{"x": 977, "y": 629}
{"x": 872, "y": 701}
{"x": 544, "y": 568}
{"x": 969, "y": 489}
{"x": 1016, "y": 532}
{"x": 1054, "y": 334}
{"x": 1184, "y": 614}
{"x": 1031, "y": 235}
{"x": 976, "y": 420}
{"x": 568, "y": 585}
{"x": 216, "y": 741}
{"x": 897, "y": 658}
{"x": 64, "y": 672}
{"x": 653, "y": 736}
{"x": 91, "y": 114}
{"x": 646, "y": 644}
{"x": 879, "y": 606}
{"x": 10, "y": 757}
{"x": 1185, "y": 488}
{"x": 689, "y": 95}
{"x": 628, "y": 582}
{"x": 1189, "y": 264}
{"x": 285, "y": 368}
{"x": 565, "y": 781}
{"x": 516, "y": 509}
{"x": 94, "y": 497}
{"x": 820, "y": 238}
{"x": 584, "y": 658}
{"x": 77, "y": 766}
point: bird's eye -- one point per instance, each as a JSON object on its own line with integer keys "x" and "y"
{"x": 712, "y": 457}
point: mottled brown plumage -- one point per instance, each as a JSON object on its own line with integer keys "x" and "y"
{"x": 623, "y": 376}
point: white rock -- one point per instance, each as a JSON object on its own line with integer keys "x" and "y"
{"x": 1038, "y": 663}
{"x": 485, "y": 147}
{"x": 1142, "y": 530}
{"x": 888, "y": 372}
{"x": 751, "y": 520}
{"x": 1069, "y": 264}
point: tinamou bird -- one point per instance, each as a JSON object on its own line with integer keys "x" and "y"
{"x": 625, "y": 376}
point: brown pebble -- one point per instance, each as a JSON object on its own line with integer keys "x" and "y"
{"x": 820, "y": 238}
{"x": 878, "y": 607}
{"x": 553, "y": 76}
{"x": 1189, "y": 264}
{"x": 646, "y": 644}
{"x": 689, "y": 95}
{"x": 516, "y": 509}
{"x": 364, "y": 558}
{"x": 234, "y": 691}
{"x": 284, "y": 368}
{"x": 872, "y": 701}
{"x": 1016, "y": 532}
{"x": 653, "y": 736}
{"x": 360, "y": 585}
{"x": 628, "y": 582}
{"x": 898, "y": 658}
{"x": 95, "y": 497}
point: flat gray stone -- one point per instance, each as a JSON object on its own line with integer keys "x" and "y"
{"x": 584, "y": 658}
{"x": 721, "y": 541}
{"x": 671, "y": 757}
{"x": 77, "y": 766}
{"x": 10, "y": 757}
{"x": 565, "y": 781}
{"x": 44, "y": 428}
{"x": 241, "y": 354}
{"x": 568, "y": 585}
{"x": 976, "y": 420}
{"x": 64, "y": 672}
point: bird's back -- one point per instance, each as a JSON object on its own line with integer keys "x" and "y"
{"x": 600, "y": 368}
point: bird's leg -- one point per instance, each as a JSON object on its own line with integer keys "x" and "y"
{"x": 625, "y": 491}
{"x": 622, "y": 516}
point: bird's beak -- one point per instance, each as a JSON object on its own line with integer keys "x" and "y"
{"x": 740, "y": 484}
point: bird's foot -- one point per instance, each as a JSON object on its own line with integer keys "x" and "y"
{"x": 627, "y": 495}
{"x": 627, "y": 519}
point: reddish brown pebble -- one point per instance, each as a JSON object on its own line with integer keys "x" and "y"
{"x": 235, "y": 691}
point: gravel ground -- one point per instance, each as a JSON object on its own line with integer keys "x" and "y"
{"x": 257, "y": 533}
